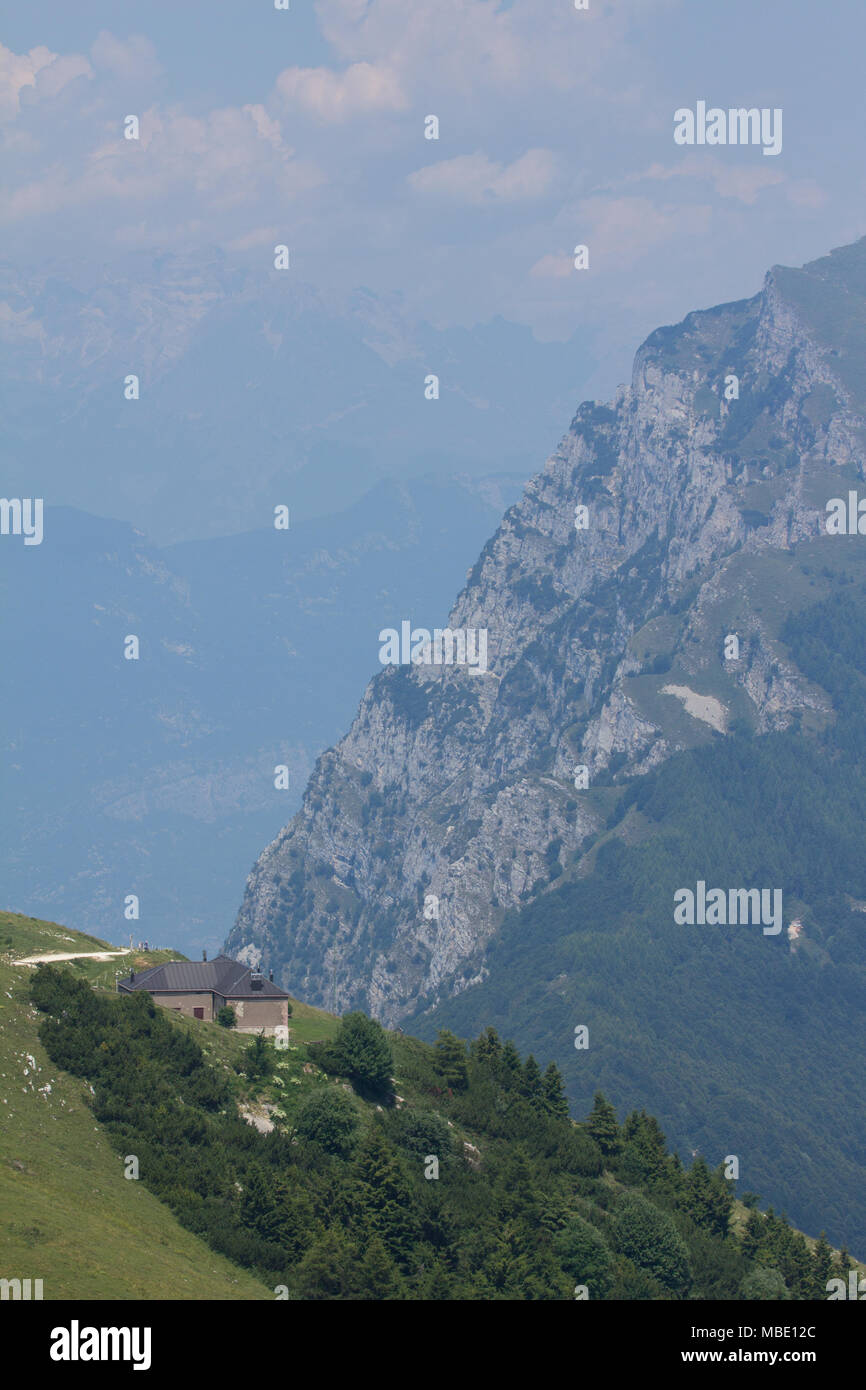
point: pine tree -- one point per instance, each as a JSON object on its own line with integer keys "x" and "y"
{"x": 780, "y": 1239}
{"x": 515, "y": 1191}
{"x": 822, "y": 1266}
{"x": 776, "y": 1243}
{"x": 510, "y": 1064}
{"x": 450, "y": 1060}
{"x": 438, "y": 1284}
{"x": 797, "y": 1267}
{"x": 487, "y": 1048}
{"x": 677, "y": 1174}
{"x": 388, "y": 1209}
{"x": 602, "y": 1126}
{"x": 259, "y": 1203}
{"x": 291, "y": 1225}
{"x": 707, "y": 1200}
{"x": 555, "y": 1099}
{"x": 363, "y": 1053}
{"x": 584, "y": 1255}
{"x": 644, "y": 1156}
{"x": 258, "y": 1060}
{"x": 531, "y": 1085}
{"x": 327, "y": 1270}
{"x": 377, "y": 1277}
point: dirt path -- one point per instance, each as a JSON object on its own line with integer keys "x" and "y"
{"x": 70, "y": 955}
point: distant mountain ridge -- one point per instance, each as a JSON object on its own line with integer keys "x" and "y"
{"x": 254, "y": 389}
{"x": 157, "y": 777}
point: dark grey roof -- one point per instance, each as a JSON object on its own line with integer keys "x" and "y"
{"x": 221, "y": 975}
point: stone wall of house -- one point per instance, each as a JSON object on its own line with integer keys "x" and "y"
{"x": 186, "y": 1003}
{"x": 253, "y": 1015}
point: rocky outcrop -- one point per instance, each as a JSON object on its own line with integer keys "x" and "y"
{"x": 455, "y": 796}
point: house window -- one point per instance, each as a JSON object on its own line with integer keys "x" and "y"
{"x": 198, "y": 1013}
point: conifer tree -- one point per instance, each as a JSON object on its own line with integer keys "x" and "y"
{"x": 258, "y": 1061}
{"x": 438, "y": 1284}
{"x": 327, "y": 1270}
{"x": 602, "y": 1126}
{"x": 487, "y": 1047}
{"x": 516, "y": 1196}
{"x": 555, "y": 1099}
{"x": 259, "y": 1203}
{"x": 291, "y": 1224}
{"x": 363, "y": 1053}
{"x": 797, "y": 1267}
{"x": 644, "y": 1156}
{"x": 584, "y": 1255}
{"x": 511, "y": 1066}
{"x": 822, "y": 1266}
{"x": 450, "y": 1060}
{"x": 377, "y": 1276}
{"x": 386, "y": 1199}
{"x": 531, "y": 1083}
{"x": 707, "y": 1200}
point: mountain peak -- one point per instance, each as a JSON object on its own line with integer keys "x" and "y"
{"x": 605, "y": 596}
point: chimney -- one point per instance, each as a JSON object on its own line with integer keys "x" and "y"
{"x": 131, "y": 976}
{"x": 204, "y": 955}
{"x": 271, "y": 976}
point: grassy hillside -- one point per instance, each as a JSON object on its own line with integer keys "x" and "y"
{"x": 321, "y": 1188}
{"x": 310, "y": 1165}
{"x": 67, "y": 1215}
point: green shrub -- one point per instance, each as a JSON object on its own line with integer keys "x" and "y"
{"x": 329, "y": 1120}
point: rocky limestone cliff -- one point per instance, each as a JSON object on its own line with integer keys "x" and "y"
{"x": 453, "y": 797}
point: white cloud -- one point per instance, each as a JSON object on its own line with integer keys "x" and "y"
{"x": 332, "y": 97}
{"x": 39, "y": 73}
{"x": 741, "y": 181}
{"x": 468, "y": 46}
{"x": 229, "y": 158}
{"x": 473, "y": 178}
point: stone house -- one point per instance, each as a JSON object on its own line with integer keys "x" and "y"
{"x": 199, "y": 989}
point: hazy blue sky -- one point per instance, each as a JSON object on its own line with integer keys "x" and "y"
{"x": 556, "y": 127}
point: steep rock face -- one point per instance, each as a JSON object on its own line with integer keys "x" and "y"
{"x": 453, "y": 796}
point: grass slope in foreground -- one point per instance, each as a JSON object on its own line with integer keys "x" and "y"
{"x": 67, "y": 1215}
{"x": 309, "y": 1165}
